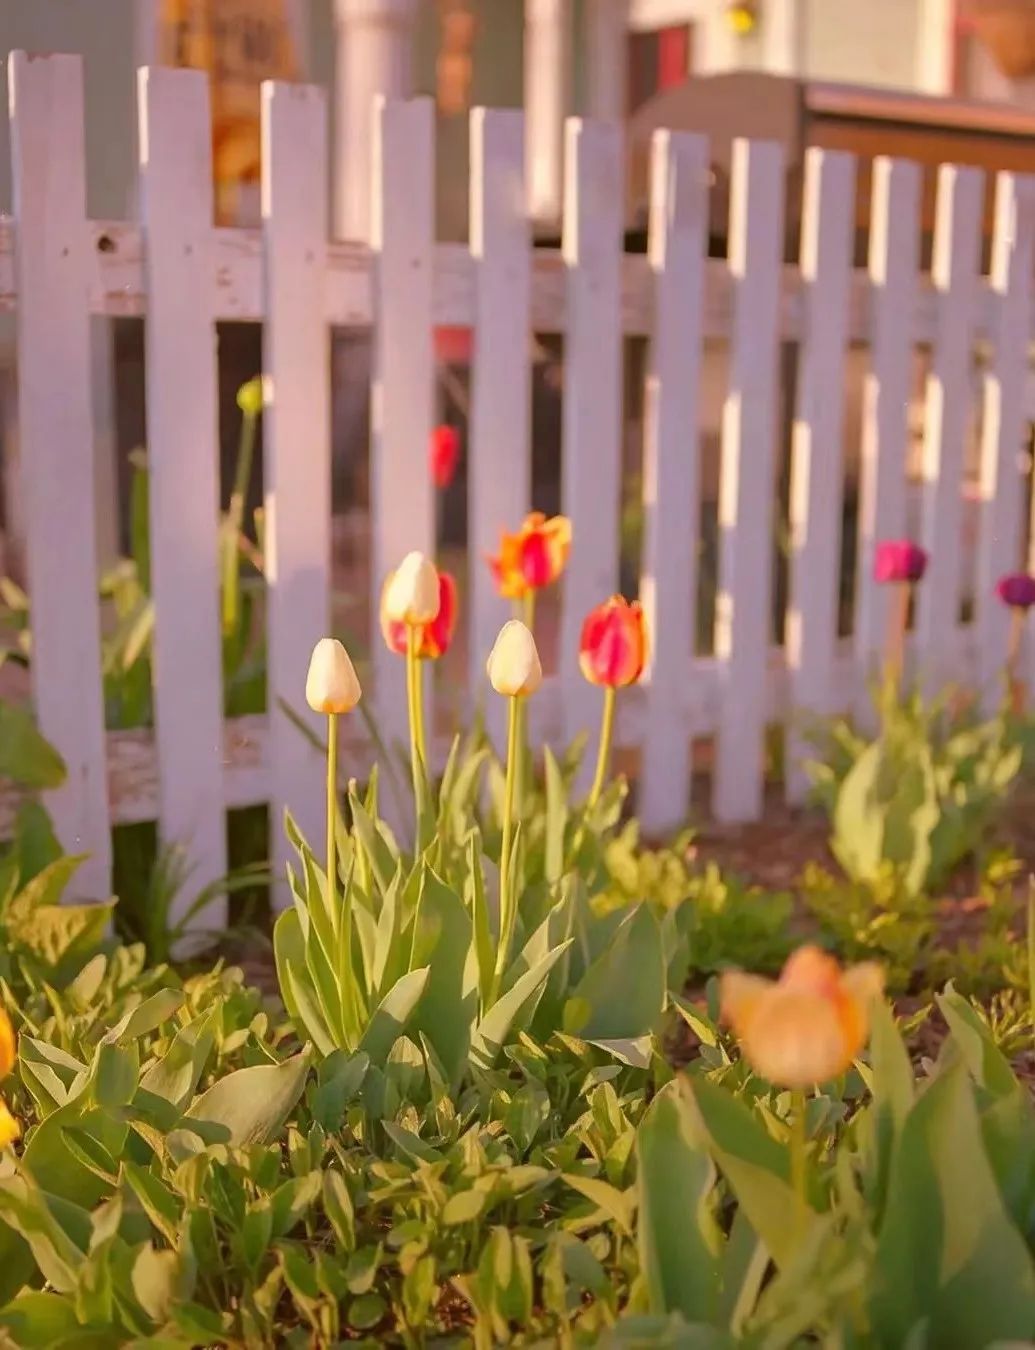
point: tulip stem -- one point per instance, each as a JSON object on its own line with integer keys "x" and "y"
{"x": 418, "y": 707}
{"x": 895, "y": 650}
{"x": 798, "y": 1144}
{"x": 235, "y": 521}
{"x": 528, "y": 618}
{"x": 507, "y": 906}
{"x": 412, "y": 702}
{"x": 607, "y": 727}
{"x": 332, "y": 811}
{"x": 1014, "y": 683}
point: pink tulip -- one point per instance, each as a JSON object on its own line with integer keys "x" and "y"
{"x": 898, "y": 560}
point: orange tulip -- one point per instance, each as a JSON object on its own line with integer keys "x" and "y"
{"x": 613, "y": 646}
{"x": 532, "y": 558}
{"x": 807, "y": 1026}
{"x": 434, "y": 638}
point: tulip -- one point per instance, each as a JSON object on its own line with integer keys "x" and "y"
{"x": 900, "y": 563}
{"x": 804, "y": 1028}
{"x": 249, "y": 396}
{"x": 411, "y": 594}
{"x": 1017, "y": 590}
{"x": 332, "y": 687}
{"x": 513, "y": 667}
{"x": 898, "y": 560}
{"x": 10, "y": 1130}
{"x": 432, "y": 639}
{"x": 444, "y": 455}
{"x": 8, "y": 1045}
{"x": 807, "y": 1026}
{"x": 411, "y": 598}
{"x": 528, "y": 561}
{"x": 612, "y": 653}
{"x": 533, "y": 558}
{"x": 515, "y": 672}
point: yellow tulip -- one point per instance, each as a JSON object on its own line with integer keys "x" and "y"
{"x": 411, "y": 593}
{"x": 513, "y": 667}
{"x": 807, "y": 1026}
{"x": 331, "y": 685}
{"x": 10, "y": 1130}
{"x": 8, "y": 1045}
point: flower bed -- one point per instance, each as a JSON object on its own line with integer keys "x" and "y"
{"x": 520, "y": 1077}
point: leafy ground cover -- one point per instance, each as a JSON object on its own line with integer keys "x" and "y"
{"x": 514, "y": 1075}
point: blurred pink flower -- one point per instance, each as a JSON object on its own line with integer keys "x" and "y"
{"x": 1017, "y": 590}
{"x": 899, "y": 560}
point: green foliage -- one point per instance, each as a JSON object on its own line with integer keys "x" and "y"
{"x": 41, "y": 936}
{"x": 918, "y": 1226}
{"x": 882, "y": 920}
{"x": 911, "y": 804}
{"x": 408, "y": 946}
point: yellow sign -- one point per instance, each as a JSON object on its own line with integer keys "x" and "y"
{"x": 240, "y": 43}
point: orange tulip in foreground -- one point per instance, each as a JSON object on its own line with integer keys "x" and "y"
{"x": 613, "y": 647}
{"x": 534, "y": 557}
{"x": 807, "y": 1026}
{"x": 432, "y": 639}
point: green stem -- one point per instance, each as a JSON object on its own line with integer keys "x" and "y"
{"x": 507, "y": 905}
{"x": 607, "y": 728}
{"x": 527, "y": 616}
{"x": 411, "y": 706}
{"x": 235, "y": 520}
{"x": 340, "y": 915}
{"x": 798, "y": 1159}
{"x": 418, "y": 707}
{"x": 332, "y": 811}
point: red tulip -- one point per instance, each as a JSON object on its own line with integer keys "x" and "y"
{"x": 444, "y": 454}
{"x": 899, "y": 560}
{"x": 613, "y": 647}
{"x": 433, "y": 638}
{"x": 1017, "y": 590}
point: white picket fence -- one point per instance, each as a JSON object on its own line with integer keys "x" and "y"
{"x": 57, "y": 268}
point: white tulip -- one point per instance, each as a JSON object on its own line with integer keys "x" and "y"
{"x": 331, "y": 685}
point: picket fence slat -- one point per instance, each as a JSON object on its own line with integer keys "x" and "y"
{"x": 817, "y": 456}
{"x": 297, "y": 449}
{"x": 592, "y": 413}
{"x": 402, "y": 396}
{"x": 183, "y": 463}
{"x": 501, "y": 394}
{"x": 894, "y": 254}
{"x": 56, "y": 447}
{"x": 1003, "y": 426}
{"x": 956, "y": 250}
{"x": 746, "y": 480}
{"x": 671, "y": 466}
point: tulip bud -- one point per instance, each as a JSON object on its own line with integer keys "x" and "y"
{"x": 1017, "y": 590}
{"x": 249, "y": 396}
{"x": 444, "y": 455}
{"x": 513, "y": 666}
{"x": 412, "y": 593}
{"x": 613, "y": 645}
{"x": 331, "y": 685}
{"x": 899, "y": 560}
